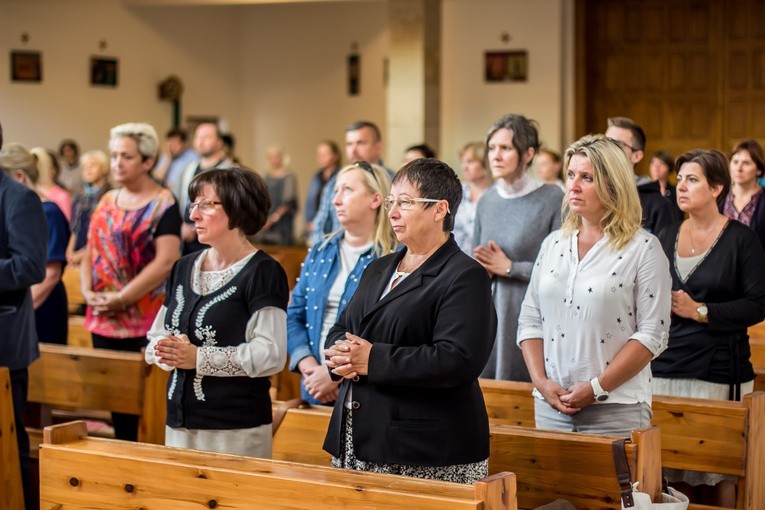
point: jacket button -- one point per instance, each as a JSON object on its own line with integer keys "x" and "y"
{"x": 356, "y": 379}
{"x": 355, "y": 405}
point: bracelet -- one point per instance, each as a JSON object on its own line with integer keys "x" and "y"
{"x": 119, "y": 296}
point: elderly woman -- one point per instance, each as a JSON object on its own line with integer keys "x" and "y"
{"x": 476, "y": 180}
{"x": 512, "y": 219}
{"x": 746, "y": 200}
{"x": 718, "y": 287}
{"x": 597, "y": 308}
{"x": 48, "y": 296}
{"x": 133, "y": 241}
{"x": 222, "y": 329}
{"x": 411, "y": 343}
{"x": 332, "y": 270}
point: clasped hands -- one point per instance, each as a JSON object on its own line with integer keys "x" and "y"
{"x": 567, "y": 400}
{"x": 349, "y": 358}
{"x": 104, "y": 303}
{"x": 176, "y": 352}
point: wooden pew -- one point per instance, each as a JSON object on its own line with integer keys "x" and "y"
{"x": 290, "y": 257}
{"x": 102, "y": 473}
{"x": 550, "y": 465}
{"x": 71, "y": 279}
{"x": 11, "y": 493}
{"x": 98, "y": 379}
{"x": 697, "y": 434}
{"x": 78, "y": 336}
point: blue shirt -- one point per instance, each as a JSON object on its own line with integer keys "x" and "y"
{"x": 305, "y": 314}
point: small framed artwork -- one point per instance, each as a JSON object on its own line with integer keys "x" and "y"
{"x": 104, "y": 71}
{"x": 502, "y": 66}
{"x": 26, "y": 66}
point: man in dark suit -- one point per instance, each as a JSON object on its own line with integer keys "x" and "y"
{"x": 23, "y": 252}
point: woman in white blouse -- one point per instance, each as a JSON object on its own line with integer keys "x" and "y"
{"x": 598, "y": 304}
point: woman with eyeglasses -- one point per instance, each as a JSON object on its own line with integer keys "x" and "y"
{"x": 133, "y": 241}
{"x": 332, "y": 270}
{"x": 512, "y": 219}
{"x": 411, "y": 343}
{"x": 222, "y": 329}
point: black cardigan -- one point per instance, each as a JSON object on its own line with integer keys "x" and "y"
{"x": 731, "y": 282}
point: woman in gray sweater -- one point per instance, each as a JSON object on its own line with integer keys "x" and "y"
{"x": 512, "y": 219}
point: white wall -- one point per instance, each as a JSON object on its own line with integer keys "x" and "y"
{"x": 469, "y": 104}
{"x": 150, "y": 42}
{"x": 275, "y": 73}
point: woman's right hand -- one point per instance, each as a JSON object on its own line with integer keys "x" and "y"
{"x": 319, "y": 385}
{"x": 552, "y": 391}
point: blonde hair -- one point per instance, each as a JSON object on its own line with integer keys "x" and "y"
{"x": 97, "y": 156}
{"x": 145, "y": 137}
{"x": 376, "y": 181}
{"x": 15, "y": 156}
{"x": 478, "y": 151}
{"x": 614, "y": 186}
{"x": 45, "y": 173}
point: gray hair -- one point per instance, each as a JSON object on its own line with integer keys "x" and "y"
{"x": 145, "y": 137}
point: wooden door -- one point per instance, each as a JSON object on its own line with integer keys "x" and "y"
{"x": 690, "y": 72}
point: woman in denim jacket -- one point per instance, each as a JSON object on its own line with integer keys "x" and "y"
{"x": 332, "y": 270}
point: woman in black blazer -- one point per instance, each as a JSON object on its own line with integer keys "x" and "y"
{"x": 412, "y": 342}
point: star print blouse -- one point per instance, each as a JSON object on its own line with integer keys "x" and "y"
{"x": 586, "y": 311}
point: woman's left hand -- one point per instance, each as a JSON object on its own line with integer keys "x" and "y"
{"x": 108, "y": 303}
{"x": 350, "y": 357}
{"x": 177, "y": 352}
{"x": 493, "y": 259}
{"x": 579, "y": 396}
{"x": 683, "y": 305}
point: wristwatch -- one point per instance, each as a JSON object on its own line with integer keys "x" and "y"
{"x": 600, "y": 394}
{"x": 702, "y": 312}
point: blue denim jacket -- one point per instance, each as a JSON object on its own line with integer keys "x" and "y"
{"x": 305, "y": 313}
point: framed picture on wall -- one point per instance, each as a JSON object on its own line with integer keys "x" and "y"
{"x": 104, "y": 71}
{"x": 26, "y": 66}
{"x": 502, "y": 66}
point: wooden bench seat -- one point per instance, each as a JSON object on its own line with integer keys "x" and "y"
{"x": 102, "y": 473}
{"x": 696, "y": 434}
{"x": 549, "y": 464}
{"x": 76, "y": 378}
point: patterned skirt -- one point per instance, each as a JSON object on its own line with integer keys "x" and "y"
{"x": 459, "y": 473}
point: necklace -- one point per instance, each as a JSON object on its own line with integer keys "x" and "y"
{"x": 690, "y": 236}
{"x": 236, "y": 259}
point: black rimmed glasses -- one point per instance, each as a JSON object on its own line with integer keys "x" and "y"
{"x": 204, "y": 205}
{"x": 406, "y": 203}
{"x": 625, "y": 145}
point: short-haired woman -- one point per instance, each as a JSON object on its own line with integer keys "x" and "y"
{"x": 476, "y": 180}
{"x": 411, "y": 343}
{"x": 746, "y": 200}
{"x": 133, "y": 241}
{"x": 222, "y": 328}
{"x": 597, "y": 308}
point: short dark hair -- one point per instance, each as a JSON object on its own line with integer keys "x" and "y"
{"x": 525, "y": 134}
{"x": 638, "y": 135}
{"x": 423, "y": 149}
{"x": 666, "y": 158}
{"x": 361, "y": 124}
{"x": 433, "y": 179}
{"x": 243, "y": 194}
{"x": 755, "y": 152}
{"x": 714, "y": 165}
{"x": 177, "y": 133}
{"x": 68, "y": 142}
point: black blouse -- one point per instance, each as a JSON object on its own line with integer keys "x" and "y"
{"x": 730, "y": 280}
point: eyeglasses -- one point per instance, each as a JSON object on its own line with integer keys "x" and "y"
{"x": 407, "y": 203}
{"x": 204, "y": 205}
{"x": 625, "y": 145}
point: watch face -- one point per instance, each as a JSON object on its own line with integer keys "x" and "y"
{"x": 601, "y": 398}
{"x": 702, "y": 309}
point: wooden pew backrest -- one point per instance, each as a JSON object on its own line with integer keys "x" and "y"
{"x": 150, "y": 476}
{"x": 577, "y": 467}
{"x": 301, "y": 435}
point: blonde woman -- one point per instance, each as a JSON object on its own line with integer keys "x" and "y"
{"x": 332, "y": 271}
{"x": 47, "y": 168}
{"x": 95, "y": 170}
{"x": 597, "y": 308}
{"x": 476, "y": 180}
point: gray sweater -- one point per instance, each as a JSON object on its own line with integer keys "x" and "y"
{"x": 518, "y": 226}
